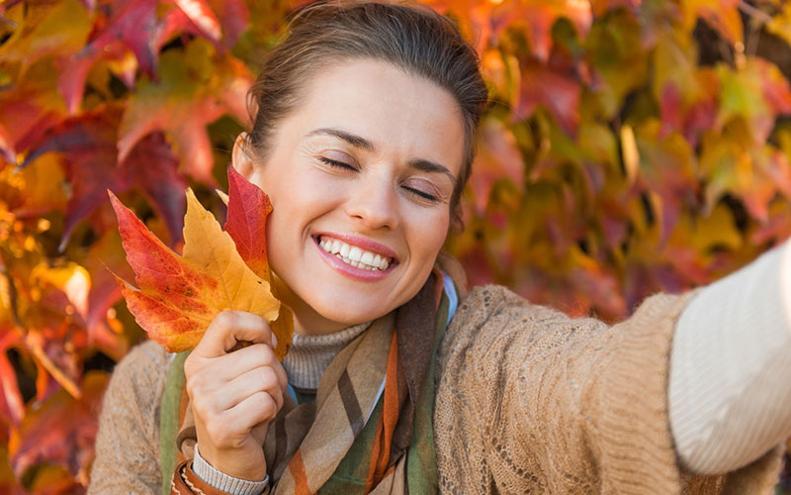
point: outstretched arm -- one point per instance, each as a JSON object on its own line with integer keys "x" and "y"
{"x": 730, "y": 373}
{"x": 558, "y": 404}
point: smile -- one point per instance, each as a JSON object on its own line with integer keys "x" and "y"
{"x": 353, "y": 255}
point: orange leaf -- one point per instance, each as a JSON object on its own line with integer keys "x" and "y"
{"x": 178, "y": 296}
{"x": 722, "y": 15}
{"x": 537, "y": 17}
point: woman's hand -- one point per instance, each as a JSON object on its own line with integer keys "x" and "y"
{"x": 235, "y": 394}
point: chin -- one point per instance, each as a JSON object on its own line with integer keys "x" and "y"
{"x": 348, "y": 315}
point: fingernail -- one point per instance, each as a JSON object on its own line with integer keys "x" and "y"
{"x": 274, "y": 340}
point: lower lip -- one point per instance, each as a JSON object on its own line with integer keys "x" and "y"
{"x": 360, "y": 274}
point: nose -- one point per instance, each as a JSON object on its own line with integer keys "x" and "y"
{"x": 373, "y": 204}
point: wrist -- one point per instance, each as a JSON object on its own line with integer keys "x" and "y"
{"x": 239, "y": 464}
{"x": 225, "y": 482}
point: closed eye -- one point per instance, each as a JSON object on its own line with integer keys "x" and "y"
{"x": 422, "y": 194}
{"x": 417, "y": 192}
{"x": 335, "y": 163}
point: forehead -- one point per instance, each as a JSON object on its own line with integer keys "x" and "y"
{"x": 405, "y": 116}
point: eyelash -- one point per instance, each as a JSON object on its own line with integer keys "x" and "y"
{"x": 337, "y": 164}
{"x": 346, "y": 166}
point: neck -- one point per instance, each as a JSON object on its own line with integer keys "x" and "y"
{"x": 307, "y": 321}
{"x": 309, "y": 355}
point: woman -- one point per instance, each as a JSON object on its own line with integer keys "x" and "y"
{"x": 397, "y": 380}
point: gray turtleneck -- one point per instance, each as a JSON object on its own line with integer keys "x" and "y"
{"x": 310, "y": 355}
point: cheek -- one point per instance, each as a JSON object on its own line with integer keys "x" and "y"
{"x": 427, "y": 235}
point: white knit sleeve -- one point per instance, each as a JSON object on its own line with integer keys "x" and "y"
{"x": 225, "y": 482}
{"x": 730, "y": 375}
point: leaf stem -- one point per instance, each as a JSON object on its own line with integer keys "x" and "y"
{"x": 754, "y": 12}
{"x": 67, "y": 383}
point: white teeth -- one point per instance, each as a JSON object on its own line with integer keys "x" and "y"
{"x": 353, "y": 255}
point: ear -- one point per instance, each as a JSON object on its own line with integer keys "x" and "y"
{"x": 240, "y": 157}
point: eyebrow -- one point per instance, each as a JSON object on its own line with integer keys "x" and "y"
{"x": 362, "y": 143}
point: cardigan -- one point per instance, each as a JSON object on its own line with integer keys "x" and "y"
{"x": 528, "y": 400}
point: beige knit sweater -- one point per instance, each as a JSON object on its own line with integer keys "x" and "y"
{"x": 528, "y": 401}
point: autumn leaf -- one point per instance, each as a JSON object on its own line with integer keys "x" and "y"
{"x": 776, "y": 227}
{"x": 601, "y": 7}
{"x": 722, "y": 15}
{"x": 34, "y": 191}
{"x": 54, "y": 330}
{"x": 780, "y": 24}
{"x": 686, "y": 93}
{"x": 667, "y": 172}
{"x": 234, "y": 17}
{"x": 558, "y": 92}
{"x": 44, "y": 302}
{"x": 12, "y": 406}
{"x": 142, "y": 27}
{"x": 178, "y": 296}
{"x": 131, "y": 26}
{"x": 610, "y": 47}
{"x": 201, "y": 15}
{"x": 498, "y": 158}
{"x": 245, "y": 222}
{"x": 536, "y": 18}
{"x": 502, "y": 72}
{"x": 28, "y": 110}
{"x": 45, "y": 29}
{"x": 195, "y": 88}
{"x": 757, "y": 93}
{"x": 755, "y": 176}
{"x": 104, "y": 261}
{"x": 59, "y": 429}
{"x": 87, "y": 143}
{"x": 248, "y": 209}
{"x": 8, "y": 482}
{"x": 220, "y": 21}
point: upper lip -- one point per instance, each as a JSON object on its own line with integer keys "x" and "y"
{"x": 362, "y": 243}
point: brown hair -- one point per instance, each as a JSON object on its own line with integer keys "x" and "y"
{"x": 413, "y": 37}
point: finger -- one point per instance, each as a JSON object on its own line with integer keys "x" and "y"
{"x": 227, "y": 367}
{"x": 212, "y": 409}
{"x": 260, "y": 407}
{"x": 230, "y": 327}
{"x": 262, "y": 379}
{"x": 207, "y": 377}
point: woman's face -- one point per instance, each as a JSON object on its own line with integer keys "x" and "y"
{"x": 360, "y": 176}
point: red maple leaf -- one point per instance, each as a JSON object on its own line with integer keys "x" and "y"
{"x": 88, "y": 145}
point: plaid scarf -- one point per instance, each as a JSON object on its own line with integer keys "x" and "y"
{"x": 369, "y": 429}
